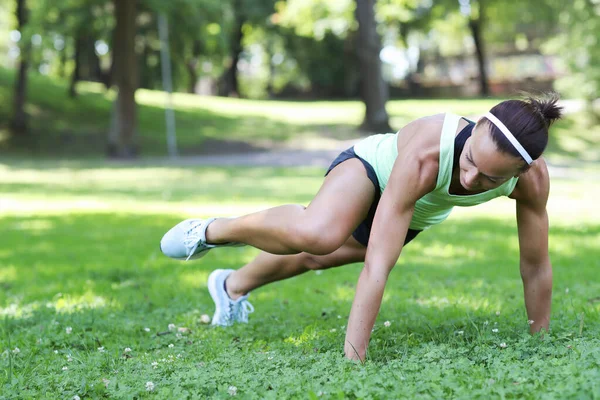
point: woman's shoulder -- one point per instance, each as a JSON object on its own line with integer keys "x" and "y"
{"x": 422, "y": 136}
{"x": 534, "y": 184}
{"x": 419, "y": 145}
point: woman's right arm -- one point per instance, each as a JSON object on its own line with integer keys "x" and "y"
{"x": 414, "y": 174}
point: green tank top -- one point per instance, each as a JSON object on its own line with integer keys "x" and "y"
{"x": 381, "y": 151}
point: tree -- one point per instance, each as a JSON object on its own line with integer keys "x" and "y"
{"x": 578, "y": 46}
{"x": 474, "y": 10}
{"x": 123, "y": 141}
{"x": 19, "y": 123}
{"x": 374, "y": 90}
{"x": 242, "y": 12}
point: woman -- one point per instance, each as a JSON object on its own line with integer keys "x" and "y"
{"x": 377, "y": 196}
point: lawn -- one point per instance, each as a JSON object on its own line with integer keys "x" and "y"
{"x": 90, "y": 307}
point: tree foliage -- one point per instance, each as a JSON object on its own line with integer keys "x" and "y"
{"x": 578, "y": 44}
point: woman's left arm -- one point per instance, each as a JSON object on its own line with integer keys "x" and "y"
{"x": 531, "y": 195}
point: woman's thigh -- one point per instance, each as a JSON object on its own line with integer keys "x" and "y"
{"x": 343, "y": 201}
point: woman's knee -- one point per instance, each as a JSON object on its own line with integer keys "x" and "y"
{"x": 318, "y": 238}
{"x": 312, "y": 262}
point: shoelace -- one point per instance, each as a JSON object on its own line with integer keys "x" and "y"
{"x": 193, "y": 238}
{"x": 230, "y": 316}
{"x": 243, "y": 310}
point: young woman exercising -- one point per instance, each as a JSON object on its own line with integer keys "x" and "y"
{"x": 377, "y": 196}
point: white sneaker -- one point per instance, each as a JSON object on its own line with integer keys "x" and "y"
{"x": 227, "y": 311}
{"x": 187, "y": 240}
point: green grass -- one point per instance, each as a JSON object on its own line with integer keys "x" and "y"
{"x": 80, "y": 250}
{"x": 76, "y": 128}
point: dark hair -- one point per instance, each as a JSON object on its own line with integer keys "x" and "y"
{"x": 528, "y": 120}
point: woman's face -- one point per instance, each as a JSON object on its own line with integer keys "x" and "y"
{"x": 482, "y": 165}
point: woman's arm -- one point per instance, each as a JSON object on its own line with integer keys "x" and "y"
{"x": 414, "y": 174}
{"x": 531, "y": 195}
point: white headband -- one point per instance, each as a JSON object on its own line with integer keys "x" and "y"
{"x": 510, "y": 137}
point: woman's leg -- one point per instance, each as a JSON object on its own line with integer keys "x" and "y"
{"x": 321, "y": 228}
{"x": 266, "y": 267}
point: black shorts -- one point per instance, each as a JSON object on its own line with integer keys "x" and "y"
{"x": 363, "y": 231}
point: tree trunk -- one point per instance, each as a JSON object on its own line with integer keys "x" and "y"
{"x": 62, "y": 68}
{"x": 145, "y": 73}
{"x": 229, "y": 82}
{"x": 374, "y": 91}
{"x": 412, "y": 86}
{"x": 192, "y": 66}
{"x": 123, "y": 142}
{"x": 19, "y": 122}
{"x": 270, "y": 50}
{"x": 76, "y": 75}
{"x": 95, "y": 68}
{"x": 475, "y": 27}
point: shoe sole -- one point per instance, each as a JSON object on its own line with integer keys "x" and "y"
{"x": 194, "y": 257}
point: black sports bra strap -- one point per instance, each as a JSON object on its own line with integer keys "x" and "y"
{"x": 459, "y": 142}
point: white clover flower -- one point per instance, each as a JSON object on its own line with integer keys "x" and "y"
{"x": 461, "y": 332}
{"x": 179, "y": 355}
{"x": 55, "y": 351}
{"x": 486, "y": 322}
{"x": 178, "y": 335}
{"x": 270, "y": 358}
{"x": 205, "y": 319}
{"x": 127, "y": 350}
{"x": 65, "y": 368}
{"x": 16, "y": 350}
{"x": 68, "y": 329}
{"x": 69, "y": 358}
{"x": 387, "y": 324}
{"x": 147, "y": 329}
{"x": 101, "y": 349}
{"x": 503, "y": 345}
{"x": 530, "y": 322}
{"x": 495, "y": 330}
{"x": 567, "y": 291}
{"x": 154, "y": 364}
{"x": 318, "y": 272}
{"x": 333, "y": 330}
{"x": 149, "y": 386}
{"x": 497, "y": 312}
{"x": 76, "y": 397}
{"x": 339, "y": 317}
{"x": 171, "y": 327}
{"x": 171, "y": 345}
{"x": 232, "y": 390}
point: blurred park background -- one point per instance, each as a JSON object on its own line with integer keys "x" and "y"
{"x": 90, "y": 77}
{"x": 120, "y": 118}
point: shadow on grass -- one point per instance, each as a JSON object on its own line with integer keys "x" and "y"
{"x": 165, "y": 184}
{"x": 571, "y": 141}
{"x": 65, "y": 127}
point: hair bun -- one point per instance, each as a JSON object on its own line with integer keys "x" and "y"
{"x": 548, "y": 107}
